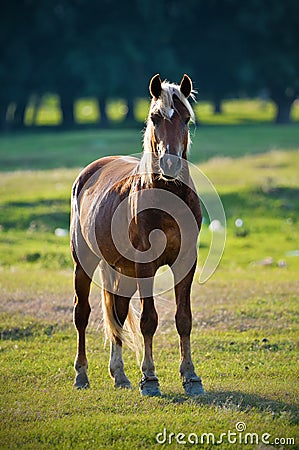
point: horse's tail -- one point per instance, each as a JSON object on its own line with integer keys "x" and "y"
{"x": 129, "y": 333}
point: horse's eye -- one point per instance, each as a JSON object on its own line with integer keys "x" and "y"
{"x": 187, "y": 120}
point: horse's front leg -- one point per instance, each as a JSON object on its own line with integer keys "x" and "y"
{"x": 149, "y": 385}
{"x": 183, "y": 318}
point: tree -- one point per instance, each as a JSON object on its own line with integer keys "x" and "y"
{"x": 272, "y": 36}
{"x": 16, "y": 71}
{"x": 107, "y": 49}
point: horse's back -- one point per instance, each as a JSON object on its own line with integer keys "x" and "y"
{"x": 104, "y": 173}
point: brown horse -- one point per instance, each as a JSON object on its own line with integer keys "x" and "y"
{"x": 131, "y": 216}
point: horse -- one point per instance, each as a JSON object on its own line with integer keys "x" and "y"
{"x": 129, "y": 217}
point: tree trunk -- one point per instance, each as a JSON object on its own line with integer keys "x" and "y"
{"x": 104, "y": 123}
{"x": 130, "y": 117}
{"x": 36, "y": 105}
{"x": 67, "y": 109}
{"x": 284, "y": 106}
{"x": 3, "y": 110}
{"x": 217, "y": 106}
{"x": 19, "y": 116}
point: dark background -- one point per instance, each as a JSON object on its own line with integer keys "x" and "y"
{"x": 106, "y": 49}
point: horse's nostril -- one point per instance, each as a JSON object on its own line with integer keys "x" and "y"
{"x": 171, "y": 165}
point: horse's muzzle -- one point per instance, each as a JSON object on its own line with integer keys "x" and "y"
{"x": 170, "y": 165}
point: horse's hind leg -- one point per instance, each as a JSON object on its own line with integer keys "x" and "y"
{"x": 116, "y": 310}
{"x": 81, "y": 314}
{"x": 116, "y": 363}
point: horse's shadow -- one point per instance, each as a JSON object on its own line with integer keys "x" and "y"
{"x": 241, "y": 401}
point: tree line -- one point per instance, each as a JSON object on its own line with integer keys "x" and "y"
{"x": 108, "y": 49}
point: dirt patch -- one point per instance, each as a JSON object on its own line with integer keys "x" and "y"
{"x": 222, "y": 305}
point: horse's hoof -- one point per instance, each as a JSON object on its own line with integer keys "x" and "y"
{"x": 149, "y": 387}
{"x": 121, "y": 381}
{"x": 123, "y": 384}
{"x": 193, "y": 386}
{"x": 81, "y": 381}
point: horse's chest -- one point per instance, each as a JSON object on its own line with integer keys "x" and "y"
{"x": 173, "y": 238}
{"x": 169, "y": 237}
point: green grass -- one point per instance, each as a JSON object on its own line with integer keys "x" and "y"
{"x": 245, "y": 318}
{"x": 245, "y": 375}
{"x": 47, "y": 150}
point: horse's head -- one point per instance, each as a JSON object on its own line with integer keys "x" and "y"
{"x": 167, "y": 126}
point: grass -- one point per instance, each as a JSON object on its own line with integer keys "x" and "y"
{"x": 245, "y": 374}
{"x": 34, "y": 151}
{"x": 245, "y": 318}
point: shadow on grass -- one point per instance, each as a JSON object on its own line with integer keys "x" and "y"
{"x": 45, "y": 214}
{"x": 265, "y": 200}
{"x": 239, "y": 401}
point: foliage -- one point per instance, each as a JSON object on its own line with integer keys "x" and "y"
{"x": 103, "y": 50}
{"x": 272, "y": 46}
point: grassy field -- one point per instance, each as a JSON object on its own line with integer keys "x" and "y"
{"x": 245, "y": 331}
{"x": 45, "y": 150}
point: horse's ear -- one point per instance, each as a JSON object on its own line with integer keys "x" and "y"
{"x": 155, "y": 87}
{"x": 186, "y": 86}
